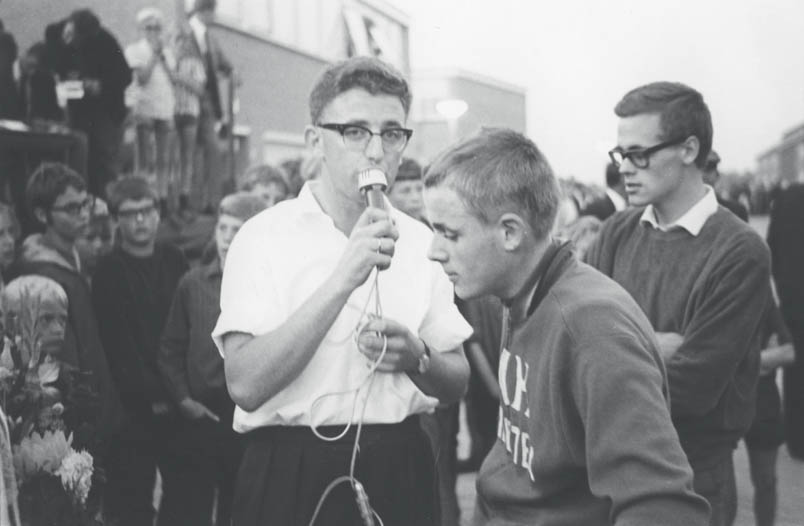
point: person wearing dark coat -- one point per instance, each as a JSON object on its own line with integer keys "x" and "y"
{"x": 785, "y": 235}
{"x": 58, "y": 199}
{"x": 132, "y": 290}
{"x": 94, "y": 56}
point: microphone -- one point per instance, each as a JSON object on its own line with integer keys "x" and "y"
{"x": 372, "y": 184}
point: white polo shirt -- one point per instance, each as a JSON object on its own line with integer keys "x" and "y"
{"x": 277, "y": 261}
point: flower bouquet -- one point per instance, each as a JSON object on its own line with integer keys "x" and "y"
{"x": 44, "y": 401}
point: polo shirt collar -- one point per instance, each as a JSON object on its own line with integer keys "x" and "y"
{"x": 693, "y": 219}
{"x": 308, "y": 204}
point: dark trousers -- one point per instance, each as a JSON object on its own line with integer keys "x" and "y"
{"x": 286, "y": 470}
{"x": 207, "y": 458}
{"x": 210, "y": 178}
{"x": 142, "y": 446}
{"x": 762, "y": 463}
{"x": 718, "y": 486}
{"x": 442, "y": 429}
{"x": 105, "y": 136}
{"x": 794, "y": 397}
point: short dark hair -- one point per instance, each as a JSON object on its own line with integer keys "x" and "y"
{"x": 86, "y": 23}
{"x": 409, "y": 170}
{"x": 48, "y": 182}
{"x": 367, "y": 73}
{"x": 134, "y": 188}
{"x": 682, "y": 112}
{"x": 712, "y": 161}
{"x": 496, "y": 169}
{"x": 204, "y": 5}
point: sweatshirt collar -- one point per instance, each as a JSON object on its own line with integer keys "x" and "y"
{"x": 549, "y": 269}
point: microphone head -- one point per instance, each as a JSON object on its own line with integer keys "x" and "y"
{"x": 366, "y": 179}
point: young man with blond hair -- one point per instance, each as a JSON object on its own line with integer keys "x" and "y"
{"x": 584, "y": 431}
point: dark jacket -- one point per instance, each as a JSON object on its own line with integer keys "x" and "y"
{"x": 82, "y": 343}
{"x": 99, "y": 56}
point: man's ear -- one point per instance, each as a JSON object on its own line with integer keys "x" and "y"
{"x": 41, "y": 215}
{"x": 690, "y": 149}
{"x": 312, "y": 138}
{"x": 513, "y": 230}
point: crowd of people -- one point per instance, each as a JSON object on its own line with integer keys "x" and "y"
{"x": 81, "y": 82}
{"x": 612, "y": 345}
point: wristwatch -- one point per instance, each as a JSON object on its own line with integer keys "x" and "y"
{"x": 424, "y": 360}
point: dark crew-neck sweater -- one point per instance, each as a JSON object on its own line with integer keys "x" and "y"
{"x": 713, "y": 290}
{"x": 132, "y": 296}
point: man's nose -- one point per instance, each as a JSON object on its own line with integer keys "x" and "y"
{"x": 374, "y": 150}
{"x": 436, "y": 252}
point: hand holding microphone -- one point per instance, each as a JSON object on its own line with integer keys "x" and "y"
{"x": 373, "y": 238}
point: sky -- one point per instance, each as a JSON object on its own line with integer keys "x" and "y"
{"x": 576, "y": 58}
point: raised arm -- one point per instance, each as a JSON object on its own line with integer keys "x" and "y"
{"x": 259, "y": 366}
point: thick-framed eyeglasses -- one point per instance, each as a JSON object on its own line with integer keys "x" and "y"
{"x": 75, "y": 209}
{"x": 356, "y": 137}
{"x": 137, "y": 213}
{"x": 640, "y": 157}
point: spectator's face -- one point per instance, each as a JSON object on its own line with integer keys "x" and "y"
{"x": 139, "y": 221}
{"x": 341, "y": 164}
{"x": 225, "y": 231}
{"x": 661, "y": 180}
{"x": 93, "y": 245}
{"x": 271, "y": 193}
{"x": 51, "y": 325}
{"x": 6, "y": 241}
{"x": 152, "y": 30}
{"x": 69, "y": 215}
{"x": 407, "y": 196}
{"x": 467, "y": 248}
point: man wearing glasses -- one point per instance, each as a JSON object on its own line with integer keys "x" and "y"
{"x": 303, "y": 319}
{"x": 132, "y": 290}
{"x": 699, "y": 273}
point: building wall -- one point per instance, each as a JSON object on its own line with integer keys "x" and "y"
{"x": 784, "y": 162}
{"x": 277, "y": 71}
{"x": 490, "y": 103}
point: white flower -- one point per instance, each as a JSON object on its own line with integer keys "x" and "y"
{"x": 76, "y": 475}
{"x": 37, "y": 453}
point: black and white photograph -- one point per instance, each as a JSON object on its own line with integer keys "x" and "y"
{"x": 401, "y": 263}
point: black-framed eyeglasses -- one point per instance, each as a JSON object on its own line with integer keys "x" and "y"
{"x": 136, "y": 213}
{"x": 640, "y": 157}
{"x": 356, "y": 137}
{"x": 75, "y": 209}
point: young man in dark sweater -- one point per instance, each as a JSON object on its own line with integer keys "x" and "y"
{"x": 133, "y": 288}
{"x": 698, "y": 272}
{"x": 584, "y": 434}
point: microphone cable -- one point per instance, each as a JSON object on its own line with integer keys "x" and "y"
{"x": 367, "y": 513}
